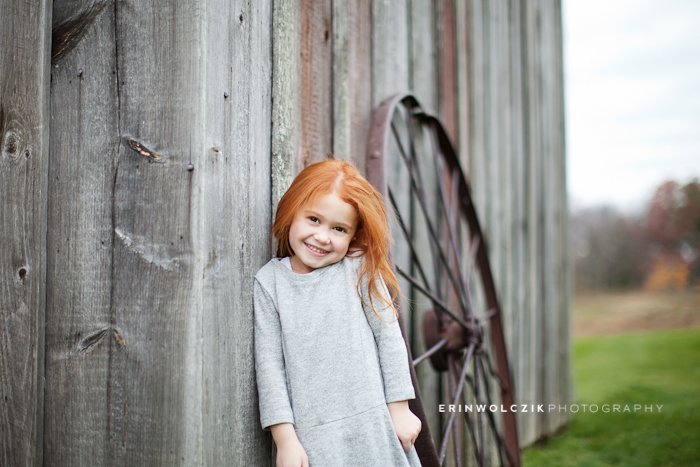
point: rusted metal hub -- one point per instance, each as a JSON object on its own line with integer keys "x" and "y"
{"x": 439, "y": 326}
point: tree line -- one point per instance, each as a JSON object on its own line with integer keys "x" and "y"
{"x": 658, "y": 249}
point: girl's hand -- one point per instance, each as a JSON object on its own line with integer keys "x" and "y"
{"x": 406, "y": 424}
{"x": 290, "y": 452}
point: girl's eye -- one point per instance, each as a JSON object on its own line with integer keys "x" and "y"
{"x": 313, "y": 219}
{"x": 340, "y": 229}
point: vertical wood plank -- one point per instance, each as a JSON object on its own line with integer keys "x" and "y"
{"x": 154, "y": 386}
{"x": 156, "y": 134}
{"x": 424, "y": 73}
{"x": 302, "y": 110}
{"x": 447, "y": 55}
{"x": 84, "y": 145}
{"x": 509, "y": 184}
{"x": 463, "y": 43}
{"x": 516, "y": 150}
{"x": 24, "y": 136}
{"x": 390, "y": 58}
{"x": 424, "y": 82}
{"x": 286, "y": 87}
{"x": 390, "y": 75}
{"x": 565, "y": 386}
{"x": 231, "y": 188}
{"x": 316, "y": 81}
{"x": 476, "y": 68}
{"x": 520, "y": 342}
{"x": 352, "y": 65}
{"x": 534, "y": 223}
{"x": 550, "y": 337}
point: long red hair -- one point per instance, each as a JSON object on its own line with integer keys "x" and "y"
{"x": 372, "y": 236}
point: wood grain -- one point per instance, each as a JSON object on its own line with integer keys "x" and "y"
{"x": 446, "y": 36}
{"x": 390, "y": 54}
{"x": 84, "y": 145}
{"x": 232, "y": 177}
{"x": 286, "y": 91}
{"x": 352, "y": 76}
{"x": 25, "y": 46}
{"x": 516, "y": 159}
{"x": 316, "y": 98}
{"x": 424, "y": 79}
{"x": 160, "y": 195}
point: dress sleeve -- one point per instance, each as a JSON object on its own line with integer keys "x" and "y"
{"x": 391, "y": 347}
{"x": 269, "y": 361}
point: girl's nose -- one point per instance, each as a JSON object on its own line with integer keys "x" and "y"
{"x": 321, "y": 237}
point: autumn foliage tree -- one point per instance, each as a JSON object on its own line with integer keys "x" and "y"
{"x": 673, "y": 230}
{"x": 659, "y": 249}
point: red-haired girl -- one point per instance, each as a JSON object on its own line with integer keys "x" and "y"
{"x": 331, "y": 365}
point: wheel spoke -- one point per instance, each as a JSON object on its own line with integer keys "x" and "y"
{"x": 409, "y": 239}
{"x": 492, "y": 371}
{"x": 468, "y": 420}
{"x": 501, "y": 446}
{"x": 470, "y": 271}
{"x": 455, "y": 395}
{"x": 441, "y": 343}
{"x": 436, "y": 301}
{"x": 455, "y": 431}
{"x": 443, "y": 202}
{"x": 449, "y": 426}
{"x": 479, "y": 419}
{"x": 451, "y": 216}
{"x": 472, "y": 257}
{"x": 433, "y": 236}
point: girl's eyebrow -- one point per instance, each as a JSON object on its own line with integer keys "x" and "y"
{"x": 309, "y": 212}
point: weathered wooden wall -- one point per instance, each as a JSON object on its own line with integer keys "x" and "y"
{"x": 159, "y": 155}
{"x": 140, "y": 221}
{"x": 516, "y": 161}
{"x": 492, "y": 69}
{"x": 145, "y": 145}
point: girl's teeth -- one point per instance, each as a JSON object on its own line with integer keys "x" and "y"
{"x": 317, "y": 250}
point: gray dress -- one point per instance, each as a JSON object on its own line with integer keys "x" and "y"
{"x": 329, "y": 365}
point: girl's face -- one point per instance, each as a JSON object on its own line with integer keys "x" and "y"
{"x": 320, "y": 234}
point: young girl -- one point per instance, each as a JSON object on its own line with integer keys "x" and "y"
{"x": 331, "y": 365}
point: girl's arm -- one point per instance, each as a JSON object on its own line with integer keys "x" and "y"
{"x": 275, "y": 406}
{"x": 393, "y": 360}
{"x": 406, "y": 424}
{"x": 391, "y": 348}
{"x": 290, "y": 452}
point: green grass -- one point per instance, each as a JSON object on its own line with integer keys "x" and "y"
{"x": 660, "y": 368}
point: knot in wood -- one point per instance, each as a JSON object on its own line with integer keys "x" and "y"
{"x": 141, "y": 149}
{"x": 22, "y": 273}
{"x": 12, "y": 144}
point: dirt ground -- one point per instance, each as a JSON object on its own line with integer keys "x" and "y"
{"x": 613, "y": 313}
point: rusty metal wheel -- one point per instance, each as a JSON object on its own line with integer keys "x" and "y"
{"x": 450, "y": 311}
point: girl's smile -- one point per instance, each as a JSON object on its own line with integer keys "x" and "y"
{"x": 321, "y": 234}
{"x": 315, "y": 250}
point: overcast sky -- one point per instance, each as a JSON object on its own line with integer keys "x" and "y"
{"x": 632, "y": 83}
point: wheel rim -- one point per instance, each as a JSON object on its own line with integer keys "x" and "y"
{"x": 451, "y": 279}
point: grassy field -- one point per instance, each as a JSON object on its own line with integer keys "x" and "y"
{"x": 647, "y": 368}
